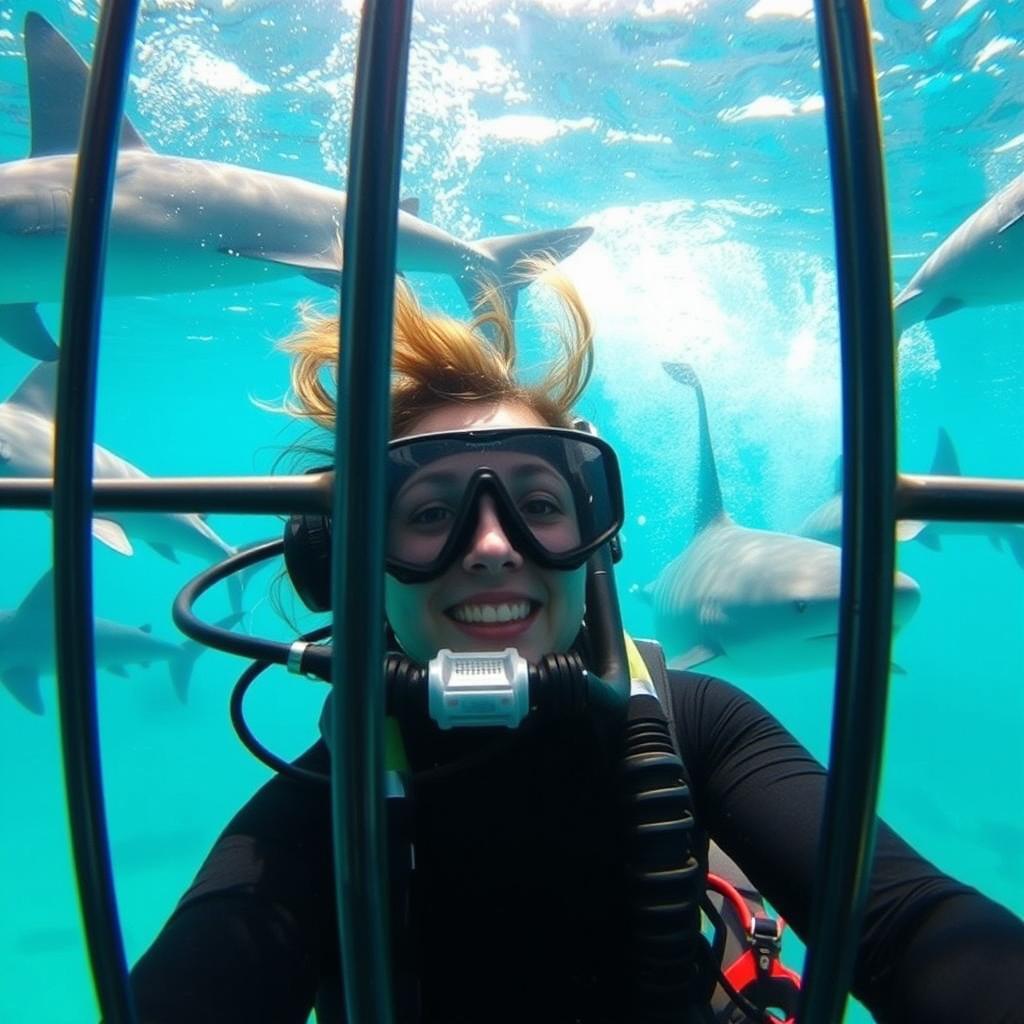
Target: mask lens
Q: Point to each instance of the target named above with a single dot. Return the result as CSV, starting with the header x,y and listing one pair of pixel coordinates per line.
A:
x,y
556,488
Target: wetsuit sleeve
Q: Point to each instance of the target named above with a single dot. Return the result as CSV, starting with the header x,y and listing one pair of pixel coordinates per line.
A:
x,y
251,938
931,949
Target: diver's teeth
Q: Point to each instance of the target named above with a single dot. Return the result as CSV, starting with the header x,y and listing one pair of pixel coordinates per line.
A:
x,y
488,613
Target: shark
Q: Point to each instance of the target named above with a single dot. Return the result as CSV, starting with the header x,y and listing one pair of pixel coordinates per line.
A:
x,y
179,224
980,264
762,602
27,649
26,451
826,522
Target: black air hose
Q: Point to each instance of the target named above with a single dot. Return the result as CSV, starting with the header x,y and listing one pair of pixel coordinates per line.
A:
x,y
670,970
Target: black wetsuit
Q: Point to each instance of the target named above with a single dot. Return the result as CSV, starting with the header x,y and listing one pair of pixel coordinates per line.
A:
x,y
511,874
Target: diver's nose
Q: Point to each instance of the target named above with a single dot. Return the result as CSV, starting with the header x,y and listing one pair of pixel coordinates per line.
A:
x,y
489,548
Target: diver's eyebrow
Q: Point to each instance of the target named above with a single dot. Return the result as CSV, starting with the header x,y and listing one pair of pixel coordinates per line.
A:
x,y
538,469
442,477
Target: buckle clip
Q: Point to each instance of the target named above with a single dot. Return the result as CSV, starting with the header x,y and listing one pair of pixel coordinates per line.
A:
x,y
765,938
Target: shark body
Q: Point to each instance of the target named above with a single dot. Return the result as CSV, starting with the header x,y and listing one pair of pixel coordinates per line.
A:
x,y
980,264
26,451
179,224
766,603
27,649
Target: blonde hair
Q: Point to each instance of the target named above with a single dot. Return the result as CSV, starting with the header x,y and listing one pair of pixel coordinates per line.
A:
x,y
438,360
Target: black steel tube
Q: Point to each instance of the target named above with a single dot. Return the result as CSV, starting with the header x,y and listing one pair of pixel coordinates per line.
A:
x,y
357,576
869,480
72,506
271,495
960,498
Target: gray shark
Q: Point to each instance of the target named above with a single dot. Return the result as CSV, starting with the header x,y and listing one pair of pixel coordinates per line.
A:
x,y
26,451
179,224
980,264
826,522
766,603
27,648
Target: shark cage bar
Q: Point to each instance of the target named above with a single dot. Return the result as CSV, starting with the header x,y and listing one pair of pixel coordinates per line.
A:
x,y
357,555
72,505
875,495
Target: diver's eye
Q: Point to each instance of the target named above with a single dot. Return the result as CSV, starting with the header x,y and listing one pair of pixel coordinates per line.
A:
x,y
801,606
540,507
432,515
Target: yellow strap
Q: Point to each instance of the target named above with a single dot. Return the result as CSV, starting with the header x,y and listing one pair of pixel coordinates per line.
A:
x,y
394,749
637,665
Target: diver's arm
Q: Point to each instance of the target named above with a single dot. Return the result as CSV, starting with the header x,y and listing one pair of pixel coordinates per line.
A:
x,y
931,949
252,937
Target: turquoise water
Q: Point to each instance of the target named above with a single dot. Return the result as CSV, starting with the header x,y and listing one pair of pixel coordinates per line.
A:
x,y
691,137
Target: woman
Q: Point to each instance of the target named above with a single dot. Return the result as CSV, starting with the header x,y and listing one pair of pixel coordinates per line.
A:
x,y
514,860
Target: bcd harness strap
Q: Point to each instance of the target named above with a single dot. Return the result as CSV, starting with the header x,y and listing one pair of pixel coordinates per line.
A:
x,y
752,939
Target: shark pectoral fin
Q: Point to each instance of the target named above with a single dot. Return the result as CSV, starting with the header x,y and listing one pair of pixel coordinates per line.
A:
x,y
696,655
23,685
324,268
896,669
930,539
905,296
908,529
410,205
111,534
948,305
21,327
1015,219
117,670
164,551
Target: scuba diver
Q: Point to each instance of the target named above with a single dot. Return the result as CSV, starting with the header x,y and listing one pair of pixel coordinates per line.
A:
x,y
523,896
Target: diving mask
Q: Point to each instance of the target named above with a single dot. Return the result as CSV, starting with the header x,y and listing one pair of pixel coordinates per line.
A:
x,y
557,494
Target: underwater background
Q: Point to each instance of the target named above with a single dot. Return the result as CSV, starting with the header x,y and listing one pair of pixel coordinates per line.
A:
x,y
690,135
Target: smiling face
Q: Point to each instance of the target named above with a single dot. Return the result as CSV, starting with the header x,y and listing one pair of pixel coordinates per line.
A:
x,y
492,596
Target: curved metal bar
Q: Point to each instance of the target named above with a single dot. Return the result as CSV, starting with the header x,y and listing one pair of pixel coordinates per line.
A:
x,y
72,511
869,446
357,577
270,495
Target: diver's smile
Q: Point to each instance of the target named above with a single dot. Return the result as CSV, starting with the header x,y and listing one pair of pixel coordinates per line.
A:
x,y
494,615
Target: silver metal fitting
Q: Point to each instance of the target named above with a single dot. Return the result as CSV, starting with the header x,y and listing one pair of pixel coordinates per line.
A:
x,y
478,688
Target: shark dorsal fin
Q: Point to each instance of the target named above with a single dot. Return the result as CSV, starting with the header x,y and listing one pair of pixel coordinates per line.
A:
x,y
709,492
38,603
946,461
56,87
38,391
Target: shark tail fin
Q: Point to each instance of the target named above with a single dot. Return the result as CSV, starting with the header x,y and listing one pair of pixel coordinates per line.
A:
x,y
182,665
682,373
22,683
1016,542
512,261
